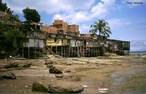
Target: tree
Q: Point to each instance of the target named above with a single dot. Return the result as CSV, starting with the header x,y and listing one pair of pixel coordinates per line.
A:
x,y
101,27
10,17
12,36
31,15
4,7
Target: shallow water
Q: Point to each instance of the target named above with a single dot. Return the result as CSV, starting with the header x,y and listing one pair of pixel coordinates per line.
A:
x,y
138,59
122,79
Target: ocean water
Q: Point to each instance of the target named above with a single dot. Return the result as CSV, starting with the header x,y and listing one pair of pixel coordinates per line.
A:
x,y
137,52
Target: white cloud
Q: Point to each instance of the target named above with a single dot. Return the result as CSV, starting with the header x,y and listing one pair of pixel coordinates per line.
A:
x,y
72,11
138,45
102,9
99,10
128,23
73,17
50,6
116,22
84,28
75,10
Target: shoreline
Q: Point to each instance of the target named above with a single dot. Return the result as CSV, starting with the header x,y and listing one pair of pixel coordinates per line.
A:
x,y
94,72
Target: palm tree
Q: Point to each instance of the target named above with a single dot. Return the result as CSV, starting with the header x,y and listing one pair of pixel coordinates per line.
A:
x,y
102,27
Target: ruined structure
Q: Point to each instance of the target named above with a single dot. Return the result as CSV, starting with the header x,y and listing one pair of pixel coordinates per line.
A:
x,y
65,40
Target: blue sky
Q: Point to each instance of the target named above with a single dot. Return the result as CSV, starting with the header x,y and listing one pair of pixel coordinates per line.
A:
x,y
126,19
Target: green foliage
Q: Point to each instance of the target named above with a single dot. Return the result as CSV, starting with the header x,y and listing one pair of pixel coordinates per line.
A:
x,y
31,15
4,28
4,7
13,36
10,17
14,18
101,27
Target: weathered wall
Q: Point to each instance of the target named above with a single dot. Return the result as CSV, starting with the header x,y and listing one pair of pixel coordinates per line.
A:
x,y
34,43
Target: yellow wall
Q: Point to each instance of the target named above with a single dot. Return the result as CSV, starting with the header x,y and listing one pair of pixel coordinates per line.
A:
x,y
57,42
51,42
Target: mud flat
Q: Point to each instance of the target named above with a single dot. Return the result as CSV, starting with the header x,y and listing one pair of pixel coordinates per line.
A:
x,y
113,74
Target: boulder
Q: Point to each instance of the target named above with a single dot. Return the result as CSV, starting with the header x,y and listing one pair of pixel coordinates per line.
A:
x,y
59,75
49,65
8,75
67,70
68,64
48,62
1,78
55,70
64,87
38,87
50,56
24,65
11,65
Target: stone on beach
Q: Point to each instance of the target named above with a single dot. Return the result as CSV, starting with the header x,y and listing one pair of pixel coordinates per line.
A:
x,y
38,87
55,70
8,75
64,87
11,65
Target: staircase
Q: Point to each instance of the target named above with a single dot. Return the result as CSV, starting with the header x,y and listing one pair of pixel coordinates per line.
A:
x,y
50,51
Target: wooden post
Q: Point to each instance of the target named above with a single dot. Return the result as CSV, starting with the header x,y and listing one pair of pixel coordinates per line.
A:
x,y
69,50
22,51
83,48
56,49
28,52
35,52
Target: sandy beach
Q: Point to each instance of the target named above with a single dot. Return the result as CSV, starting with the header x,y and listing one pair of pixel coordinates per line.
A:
x,y
115,74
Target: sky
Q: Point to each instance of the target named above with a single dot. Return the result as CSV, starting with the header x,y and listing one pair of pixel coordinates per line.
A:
x,y
126,18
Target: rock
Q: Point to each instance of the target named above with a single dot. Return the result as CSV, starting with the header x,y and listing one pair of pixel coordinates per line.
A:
x,y
55,70
11,65
68,64
27,65
68,71
1,78
38,87
49,65
8,75
59,75
64,87
58,56
75,77
50,56
48,62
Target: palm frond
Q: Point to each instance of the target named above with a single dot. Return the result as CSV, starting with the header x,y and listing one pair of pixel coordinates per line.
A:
x,y
102,27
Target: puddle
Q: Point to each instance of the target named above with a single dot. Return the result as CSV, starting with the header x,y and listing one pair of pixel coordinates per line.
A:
x,y
120,78
115,75
138,59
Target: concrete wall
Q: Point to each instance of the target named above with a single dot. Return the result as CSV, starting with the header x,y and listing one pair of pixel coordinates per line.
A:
x,y
34,43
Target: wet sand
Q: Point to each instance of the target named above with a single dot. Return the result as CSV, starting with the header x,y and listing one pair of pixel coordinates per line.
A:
x,y
117,74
